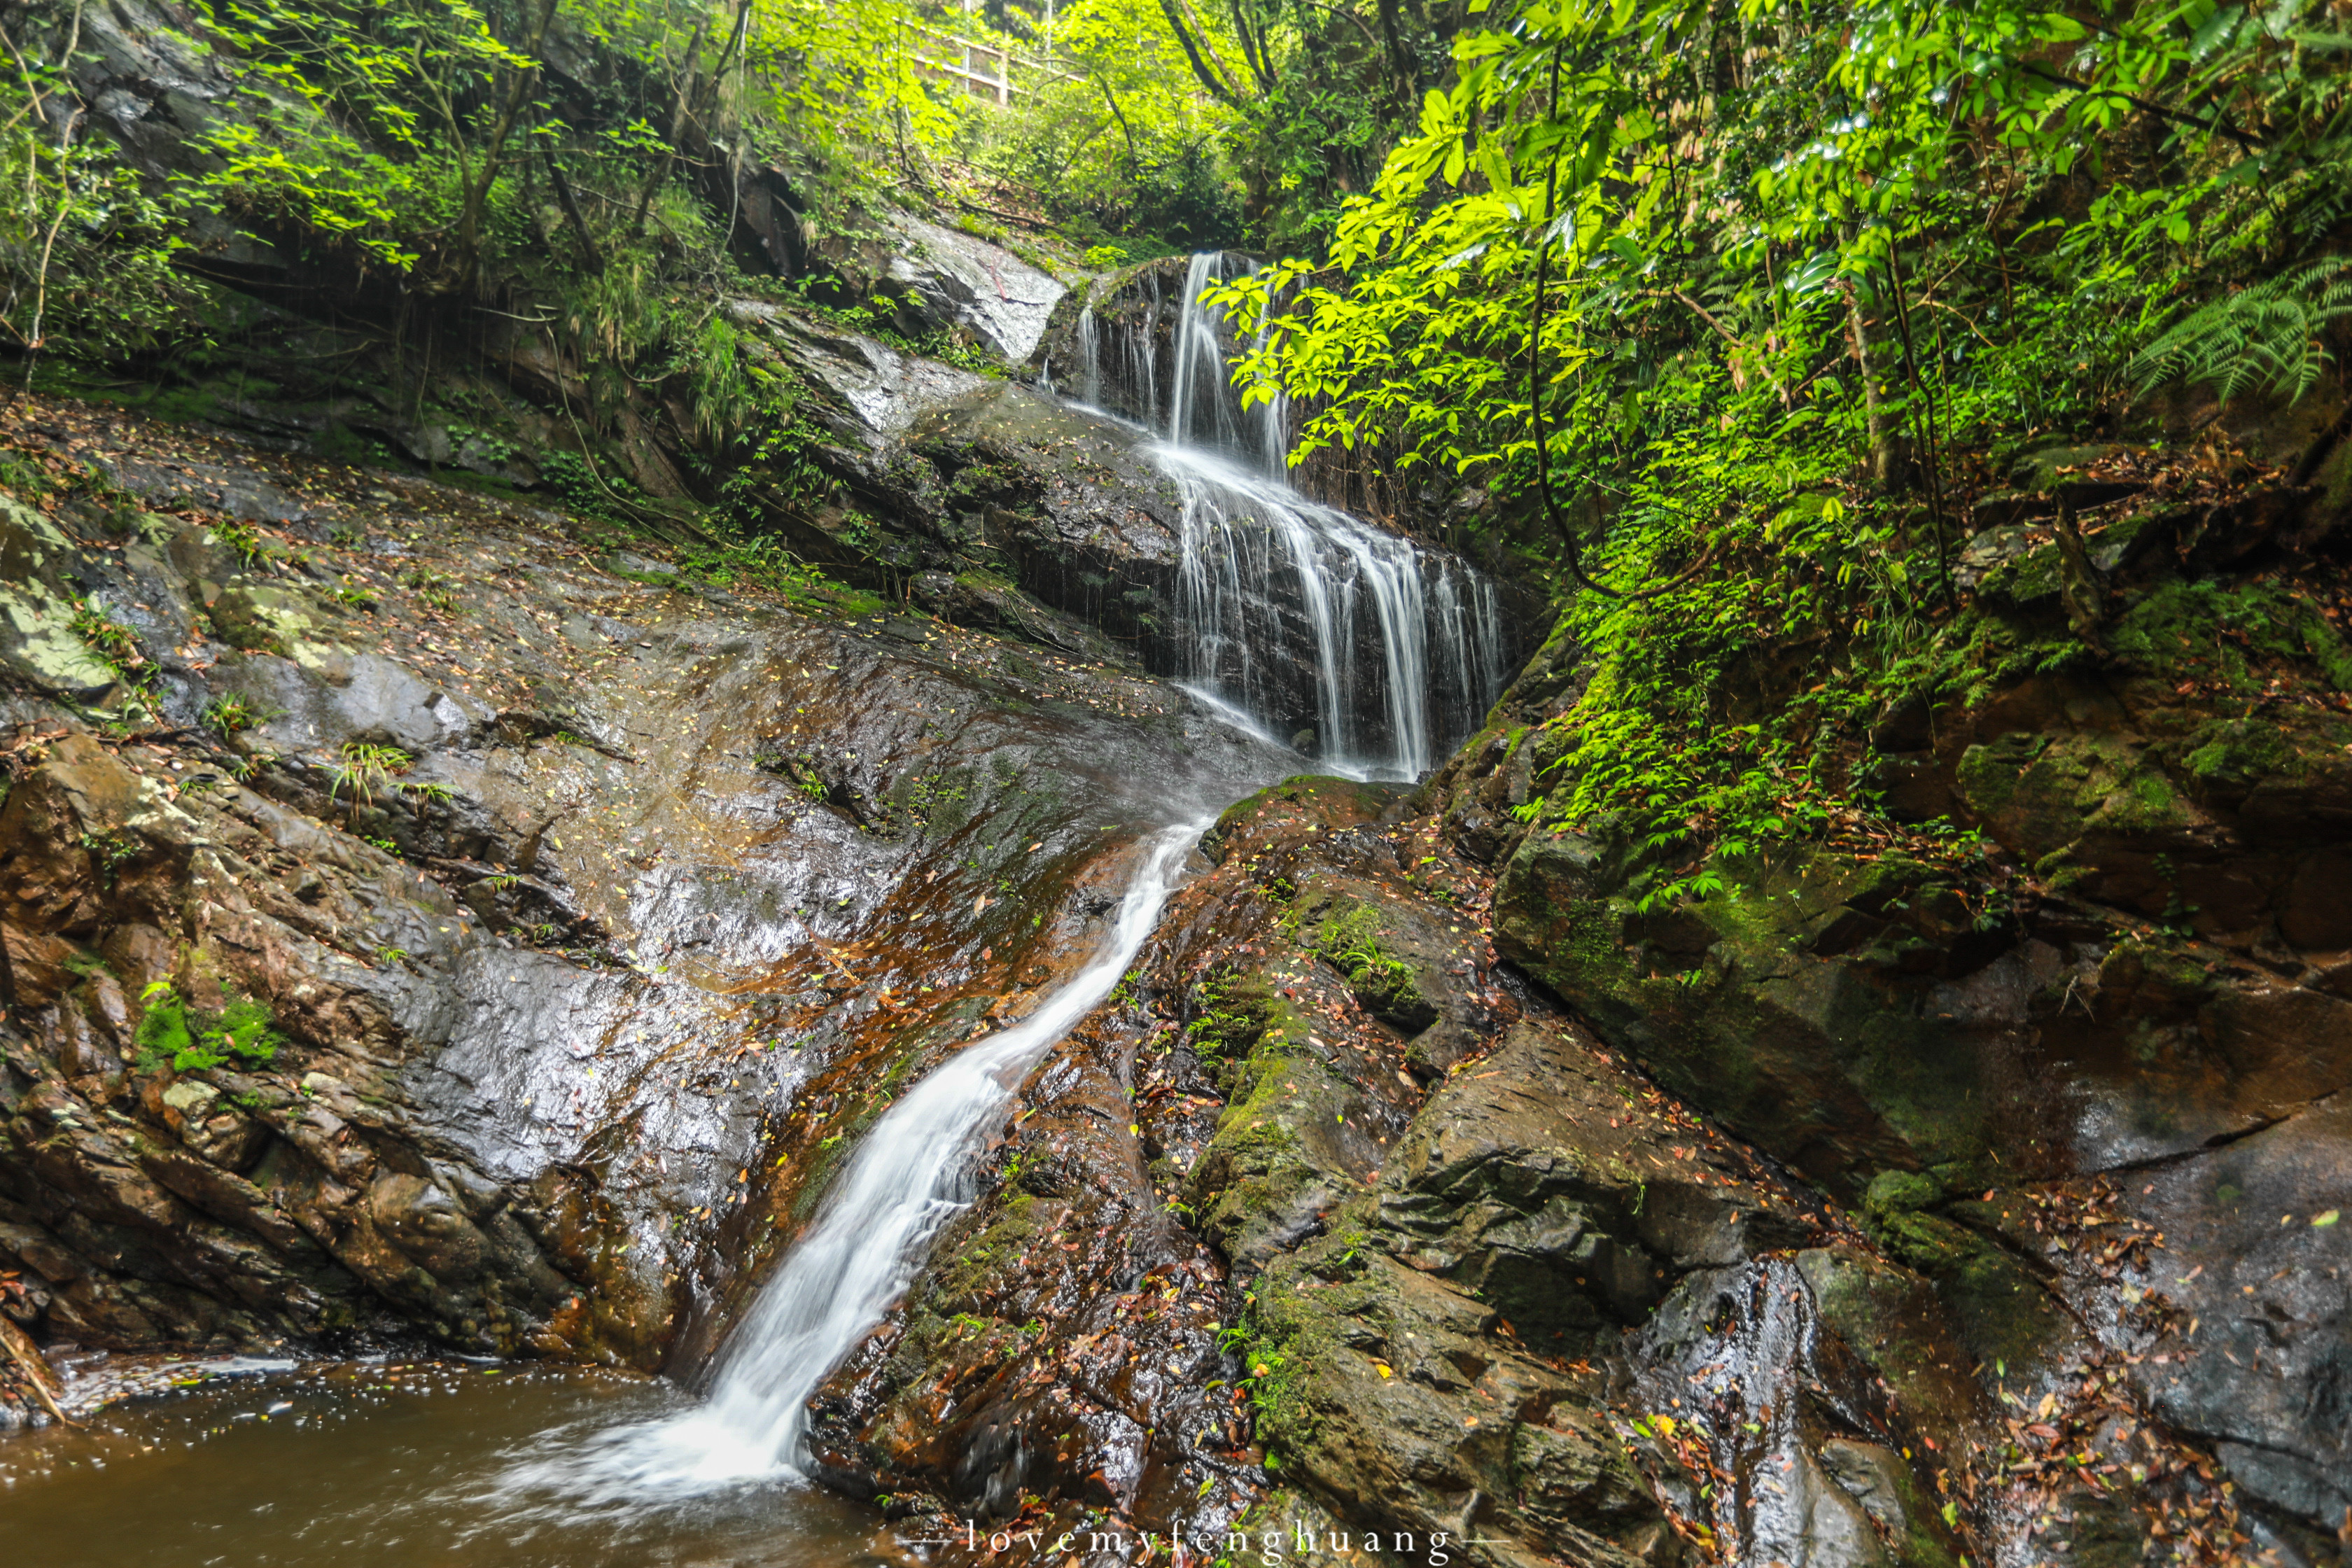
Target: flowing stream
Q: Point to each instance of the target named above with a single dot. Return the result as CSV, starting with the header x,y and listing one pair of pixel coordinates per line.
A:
x,y
914,1169
1307,627
911,1174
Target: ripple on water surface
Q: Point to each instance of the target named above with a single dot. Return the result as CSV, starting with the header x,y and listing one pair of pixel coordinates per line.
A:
x,y
392,1463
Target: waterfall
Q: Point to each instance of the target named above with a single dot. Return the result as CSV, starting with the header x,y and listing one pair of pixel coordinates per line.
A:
x,y
1297,614
1089,360
911,1174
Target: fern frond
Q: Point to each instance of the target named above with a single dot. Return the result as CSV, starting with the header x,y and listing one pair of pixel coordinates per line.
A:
x,y
2266,337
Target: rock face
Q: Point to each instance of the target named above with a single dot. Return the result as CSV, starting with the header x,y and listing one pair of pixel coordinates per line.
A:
x,y
1471,1265
465,910
949,278
2060,1097
1934,1237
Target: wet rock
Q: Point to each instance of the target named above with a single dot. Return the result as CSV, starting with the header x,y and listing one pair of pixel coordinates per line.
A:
x,y
1396,1398
1064,1345
951,279
2266,1373
877,393
37,641
545,948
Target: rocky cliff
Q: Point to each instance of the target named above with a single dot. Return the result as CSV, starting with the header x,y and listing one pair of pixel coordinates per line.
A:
x,y
418,921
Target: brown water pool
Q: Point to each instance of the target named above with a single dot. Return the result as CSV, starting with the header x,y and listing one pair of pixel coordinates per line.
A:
x,y
394,1464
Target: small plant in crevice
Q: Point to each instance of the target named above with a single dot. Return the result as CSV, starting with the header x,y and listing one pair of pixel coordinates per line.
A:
x,y
111,852
243,541
1351,942
366,770
116,645
172,1033
436,590
229,714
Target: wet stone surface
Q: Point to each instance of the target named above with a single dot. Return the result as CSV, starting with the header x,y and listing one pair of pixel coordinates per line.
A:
x,y
559,876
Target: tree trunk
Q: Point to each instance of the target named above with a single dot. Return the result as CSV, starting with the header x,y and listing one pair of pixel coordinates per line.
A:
x,y
1874,408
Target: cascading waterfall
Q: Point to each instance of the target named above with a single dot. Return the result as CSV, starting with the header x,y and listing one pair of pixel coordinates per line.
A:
x,y
1090,359
1289,603
911,1174
1300,615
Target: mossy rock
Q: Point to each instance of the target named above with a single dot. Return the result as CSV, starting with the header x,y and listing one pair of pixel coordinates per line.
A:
x,y
1286,1150
1365,1389
2031,581
1318,800
37,641
2039,794
1350,937
1787,1004
2233,634
263,619
2006,1318
1888,1316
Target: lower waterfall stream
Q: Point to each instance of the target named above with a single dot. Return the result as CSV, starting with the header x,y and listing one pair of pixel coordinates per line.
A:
x,y
909,1174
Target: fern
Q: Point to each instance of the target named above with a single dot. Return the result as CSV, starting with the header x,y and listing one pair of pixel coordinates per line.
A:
x,y
2265,337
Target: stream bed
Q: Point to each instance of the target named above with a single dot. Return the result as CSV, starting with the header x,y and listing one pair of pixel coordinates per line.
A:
x,y
392,1463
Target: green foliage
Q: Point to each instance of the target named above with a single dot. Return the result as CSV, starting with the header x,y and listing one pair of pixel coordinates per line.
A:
x,y
228,714
86,248
1351,941
111,852
1226,1018
366,770
2267,337
582,489
116,645
1711,301
171,1034
164,1036
434,590
241,539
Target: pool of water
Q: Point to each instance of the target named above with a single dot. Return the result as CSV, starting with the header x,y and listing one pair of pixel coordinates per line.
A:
x,y
387,1463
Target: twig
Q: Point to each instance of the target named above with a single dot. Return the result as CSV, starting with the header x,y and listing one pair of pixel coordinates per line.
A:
x,y
2248,140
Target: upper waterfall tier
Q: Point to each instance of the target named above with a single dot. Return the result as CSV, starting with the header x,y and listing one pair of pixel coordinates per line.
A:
x,y
1151,352
1375,652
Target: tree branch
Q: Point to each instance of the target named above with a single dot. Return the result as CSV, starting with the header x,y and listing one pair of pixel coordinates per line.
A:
x,y
2250,141
1209,78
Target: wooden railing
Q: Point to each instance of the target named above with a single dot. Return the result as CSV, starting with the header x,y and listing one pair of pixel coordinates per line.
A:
x,y
983,70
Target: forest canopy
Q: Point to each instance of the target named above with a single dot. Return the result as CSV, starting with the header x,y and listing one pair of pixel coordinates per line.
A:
x,y
1738,303
1724,306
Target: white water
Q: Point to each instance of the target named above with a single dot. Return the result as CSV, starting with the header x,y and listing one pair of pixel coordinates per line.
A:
x,y
1239,719
1379,615
1390,653
913,1171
